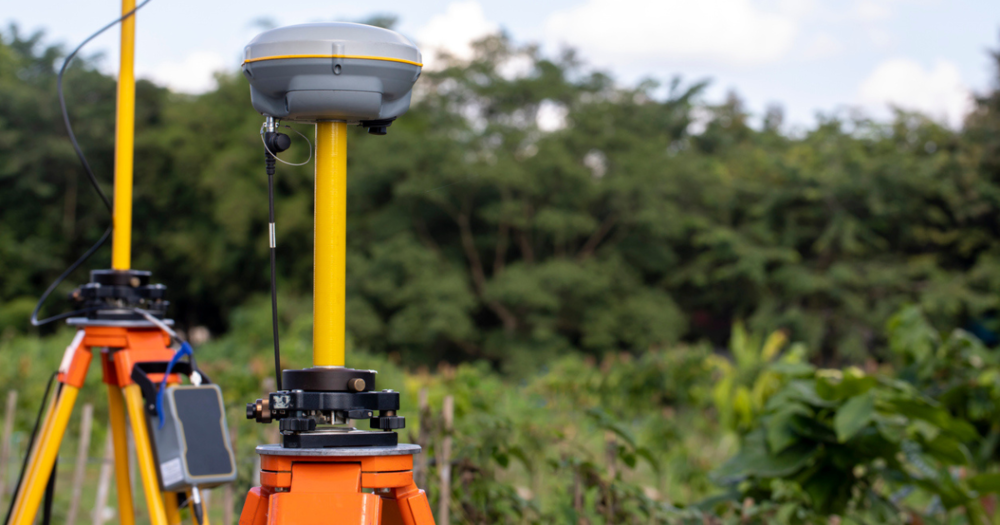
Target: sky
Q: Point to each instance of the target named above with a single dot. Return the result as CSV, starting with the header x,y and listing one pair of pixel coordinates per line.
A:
x,y
809,56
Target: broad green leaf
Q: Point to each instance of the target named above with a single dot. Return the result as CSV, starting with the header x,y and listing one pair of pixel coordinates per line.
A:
x,y
754,459
780,431
835,385
985,483
854,415
891,426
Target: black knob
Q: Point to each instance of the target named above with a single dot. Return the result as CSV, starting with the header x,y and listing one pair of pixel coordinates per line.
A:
x,y
277,142
388,422
298,424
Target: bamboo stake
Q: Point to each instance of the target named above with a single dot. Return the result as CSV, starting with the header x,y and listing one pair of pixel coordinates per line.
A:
x,y
444,462
423,439
104,481
8,428
80,470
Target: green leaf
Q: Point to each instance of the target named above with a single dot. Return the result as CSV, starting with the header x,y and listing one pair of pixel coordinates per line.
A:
x,y
755,460
985,483
856,414
835,385
780,431
800,390
892,426
650,458
947,450
921,409
792,369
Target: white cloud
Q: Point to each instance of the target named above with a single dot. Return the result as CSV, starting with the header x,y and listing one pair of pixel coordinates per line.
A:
x,y
453,31
653,32
194,74
822,45
871,10
938,92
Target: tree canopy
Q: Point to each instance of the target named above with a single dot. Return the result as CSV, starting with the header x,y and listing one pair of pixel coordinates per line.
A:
x,y
643,216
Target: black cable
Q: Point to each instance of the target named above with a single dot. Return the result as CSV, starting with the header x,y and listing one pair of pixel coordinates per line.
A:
x,y
87,169
274,286
83,258
50,494
65,113
31,444
274,142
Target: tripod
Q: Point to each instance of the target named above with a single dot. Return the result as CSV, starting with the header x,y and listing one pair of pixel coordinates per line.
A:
x,y
122,346
322,468
125,327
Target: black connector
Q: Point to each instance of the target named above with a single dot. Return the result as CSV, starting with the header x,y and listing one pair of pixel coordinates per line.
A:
x,y
378,127
274,143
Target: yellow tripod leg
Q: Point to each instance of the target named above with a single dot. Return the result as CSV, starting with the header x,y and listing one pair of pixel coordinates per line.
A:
x,y
330,244
119,435
170,505
43,430
144,455
40,467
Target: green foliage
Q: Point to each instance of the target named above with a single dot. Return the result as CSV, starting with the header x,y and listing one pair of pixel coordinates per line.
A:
x,y
474,234
744,384
870,447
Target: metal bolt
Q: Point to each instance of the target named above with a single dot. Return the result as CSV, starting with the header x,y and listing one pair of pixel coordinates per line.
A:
x,y
135,282
356,385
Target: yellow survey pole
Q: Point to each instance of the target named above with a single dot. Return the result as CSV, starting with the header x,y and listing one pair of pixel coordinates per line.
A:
x,y
40,466
330,244
119,437
121,240
144,455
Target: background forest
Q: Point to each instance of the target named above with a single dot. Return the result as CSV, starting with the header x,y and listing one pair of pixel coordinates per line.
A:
x,y
652,313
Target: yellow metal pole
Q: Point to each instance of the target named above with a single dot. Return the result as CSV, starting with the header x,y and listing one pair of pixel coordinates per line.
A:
x,y
33,456
119,435
330,244
170,506
121,241
144,455
41,466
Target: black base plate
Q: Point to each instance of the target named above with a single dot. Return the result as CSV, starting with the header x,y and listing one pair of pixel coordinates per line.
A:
x,y
339,439
326,379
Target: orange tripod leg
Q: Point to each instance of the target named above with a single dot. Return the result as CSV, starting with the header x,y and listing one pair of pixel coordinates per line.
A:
x,y
412,505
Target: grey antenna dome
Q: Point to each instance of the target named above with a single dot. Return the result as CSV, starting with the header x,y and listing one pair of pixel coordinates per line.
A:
x,y
332,71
